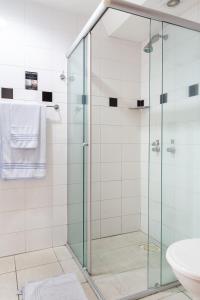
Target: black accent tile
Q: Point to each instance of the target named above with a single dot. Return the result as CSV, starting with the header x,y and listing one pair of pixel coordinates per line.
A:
x,y
163,98
140,103
6,93
113,102
47,96
193,90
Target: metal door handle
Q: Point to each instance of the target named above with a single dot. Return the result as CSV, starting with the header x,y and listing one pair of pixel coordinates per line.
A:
x,y
171,149
85,144
156,149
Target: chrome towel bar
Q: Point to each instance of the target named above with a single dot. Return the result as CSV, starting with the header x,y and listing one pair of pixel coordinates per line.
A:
x,y
55,106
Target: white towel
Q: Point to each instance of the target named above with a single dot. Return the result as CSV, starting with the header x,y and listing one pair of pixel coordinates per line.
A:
x,y
21,163
63,287
25,120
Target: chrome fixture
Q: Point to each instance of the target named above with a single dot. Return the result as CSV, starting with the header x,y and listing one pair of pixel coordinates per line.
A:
x,y
62,76
173,3
85,144
156,146
172,149
71,78
55,106
155,38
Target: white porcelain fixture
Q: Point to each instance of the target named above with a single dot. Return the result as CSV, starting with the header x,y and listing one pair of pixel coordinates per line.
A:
x,y
184,258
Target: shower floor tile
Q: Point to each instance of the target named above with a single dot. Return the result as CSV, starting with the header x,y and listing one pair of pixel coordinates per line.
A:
x,y
119,254
120,267
172,294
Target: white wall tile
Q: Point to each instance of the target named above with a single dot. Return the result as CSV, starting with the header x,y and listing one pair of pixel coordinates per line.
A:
x,y
111,189
12,199
41,36
38,218
111,208
110,153
111,134
131,205
95,210
130,223
12,243
131,170
12,222
59,215
59,194
130,188
95,228
111,171
38,239
59,235
111,226
38,197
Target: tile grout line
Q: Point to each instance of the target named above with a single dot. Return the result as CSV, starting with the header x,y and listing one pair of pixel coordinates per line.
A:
x,y
58,260
17,283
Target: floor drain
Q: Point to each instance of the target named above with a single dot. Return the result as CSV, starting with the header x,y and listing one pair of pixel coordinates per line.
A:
x,y
150,247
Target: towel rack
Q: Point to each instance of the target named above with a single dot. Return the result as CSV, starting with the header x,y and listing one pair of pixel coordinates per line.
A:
x,y
55,106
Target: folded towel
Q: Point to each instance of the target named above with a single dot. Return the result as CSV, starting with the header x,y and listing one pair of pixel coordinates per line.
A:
x,y
63,287
21,163
24,129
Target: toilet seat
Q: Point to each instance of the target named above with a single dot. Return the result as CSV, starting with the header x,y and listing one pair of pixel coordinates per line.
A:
x,y
184,257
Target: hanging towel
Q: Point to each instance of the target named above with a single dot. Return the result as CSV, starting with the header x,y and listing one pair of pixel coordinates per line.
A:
x,y
24,129
21,163
63,287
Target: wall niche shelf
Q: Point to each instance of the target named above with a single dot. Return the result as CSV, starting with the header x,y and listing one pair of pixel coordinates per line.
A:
x,y
139,107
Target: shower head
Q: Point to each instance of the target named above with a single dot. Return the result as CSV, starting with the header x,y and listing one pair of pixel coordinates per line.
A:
x,y
155,38
148,48
173,3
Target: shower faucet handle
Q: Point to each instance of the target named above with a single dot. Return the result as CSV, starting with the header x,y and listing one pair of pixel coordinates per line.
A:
x,y
85,144
172,149
156,146
156,143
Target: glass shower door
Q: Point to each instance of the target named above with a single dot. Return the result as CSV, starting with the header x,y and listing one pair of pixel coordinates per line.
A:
x,y
155,155
181,140
77,143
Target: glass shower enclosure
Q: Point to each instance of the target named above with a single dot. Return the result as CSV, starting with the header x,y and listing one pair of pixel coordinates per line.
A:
x,y
133,146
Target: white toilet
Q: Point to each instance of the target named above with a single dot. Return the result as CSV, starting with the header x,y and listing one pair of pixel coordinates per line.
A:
x,y
184,258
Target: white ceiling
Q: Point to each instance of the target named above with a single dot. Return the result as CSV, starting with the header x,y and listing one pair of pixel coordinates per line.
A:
x,y
85,7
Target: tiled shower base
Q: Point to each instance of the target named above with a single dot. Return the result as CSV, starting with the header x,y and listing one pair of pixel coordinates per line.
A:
x,y
120,266
16,270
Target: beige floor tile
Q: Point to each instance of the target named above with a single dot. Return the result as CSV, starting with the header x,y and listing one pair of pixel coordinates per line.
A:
x,y
179,296
132,282
109,286
119,254
70,266
38,273
8,286
89,292
168,294
33,259
7,264
62,253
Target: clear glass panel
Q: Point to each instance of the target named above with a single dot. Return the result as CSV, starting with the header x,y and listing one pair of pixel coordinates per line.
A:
x,y
86,138
77,124
155,113
119,156
181,139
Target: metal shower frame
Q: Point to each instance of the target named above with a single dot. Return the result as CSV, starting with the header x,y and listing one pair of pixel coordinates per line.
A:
x,y
141,11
